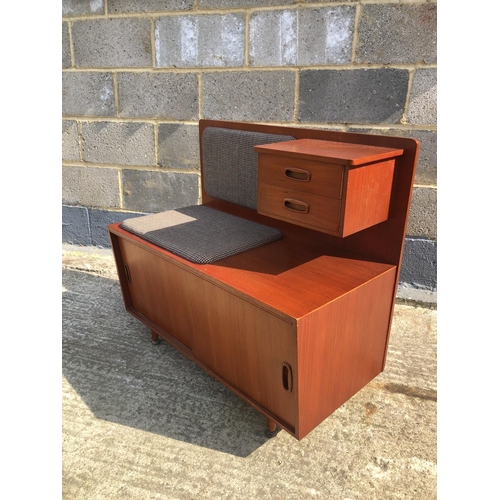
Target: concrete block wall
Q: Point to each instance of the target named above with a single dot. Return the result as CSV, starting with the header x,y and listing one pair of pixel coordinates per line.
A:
x,y
138,75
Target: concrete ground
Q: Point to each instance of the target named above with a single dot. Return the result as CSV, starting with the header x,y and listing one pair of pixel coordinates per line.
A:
x,y
141,421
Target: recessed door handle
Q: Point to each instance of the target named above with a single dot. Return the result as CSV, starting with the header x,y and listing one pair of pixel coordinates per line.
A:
x,y
127,272
287,377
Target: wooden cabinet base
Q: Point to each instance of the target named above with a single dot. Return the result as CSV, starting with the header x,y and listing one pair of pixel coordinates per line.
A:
x,y
295,364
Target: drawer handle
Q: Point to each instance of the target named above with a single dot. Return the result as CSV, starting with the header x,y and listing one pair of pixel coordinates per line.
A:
x,y
298,174
287,377
296,205
127,272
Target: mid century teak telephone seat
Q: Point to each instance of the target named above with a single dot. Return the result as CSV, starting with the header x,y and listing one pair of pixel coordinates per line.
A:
x,y
282,283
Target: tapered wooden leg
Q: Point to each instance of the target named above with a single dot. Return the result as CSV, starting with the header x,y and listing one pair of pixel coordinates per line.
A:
x,y
272,428
154,337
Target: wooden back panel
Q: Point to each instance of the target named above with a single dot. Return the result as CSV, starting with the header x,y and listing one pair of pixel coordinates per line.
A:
x,y
383,242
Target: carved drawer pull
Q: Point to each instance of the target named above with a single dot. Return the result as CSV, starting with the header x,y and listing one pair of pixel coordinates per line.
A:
x,y
296,205
298,174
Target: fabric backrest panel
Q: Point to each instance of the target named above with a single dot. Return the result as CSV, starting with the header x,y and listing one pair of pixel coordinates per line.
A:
x,y
230,163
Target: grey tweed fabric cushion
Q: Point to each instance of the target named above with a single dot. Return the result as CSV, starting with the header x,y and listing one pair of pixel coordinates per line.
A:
x,y
230,163
201,234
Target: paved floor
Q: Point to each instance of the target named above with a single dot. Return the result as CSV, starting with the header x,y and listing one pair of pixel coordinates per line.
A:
x,y
141,421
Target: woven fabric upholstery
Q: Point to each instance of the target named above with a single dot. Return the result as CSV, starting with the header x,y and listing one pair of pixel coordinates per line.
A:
x,y
201,234
230,163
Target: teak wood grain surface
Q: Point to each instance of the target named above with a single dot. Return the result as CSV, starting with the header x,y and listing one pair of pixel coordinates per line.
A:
x,y
342,153
295,327
324,179
291,276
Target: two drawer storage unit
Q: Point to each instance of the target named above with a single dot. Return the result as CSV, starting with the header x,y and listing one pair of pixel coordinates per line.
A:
x,y
338,188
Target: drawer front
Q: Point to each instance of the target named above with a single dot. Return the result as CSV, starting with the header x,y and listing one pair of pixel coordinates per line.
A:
x,y
315,177
305,209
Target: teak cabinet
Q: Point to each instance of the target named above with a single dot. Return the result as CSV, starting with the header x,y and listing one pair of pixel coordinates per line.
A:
x,y
298,326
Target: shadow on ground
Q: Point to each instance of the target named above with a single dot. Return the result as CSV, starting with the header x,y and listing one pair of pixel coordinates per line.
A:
x,y
108,358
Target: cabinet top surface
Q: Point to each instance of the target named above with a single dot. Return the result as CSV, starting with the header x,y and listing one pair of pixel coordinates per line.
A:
x,y
291,276
330,151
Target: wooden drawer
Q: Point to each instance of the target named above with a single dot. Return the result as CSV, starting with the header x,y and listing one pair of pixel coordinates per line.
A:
x,y
337,188
305,209
308,176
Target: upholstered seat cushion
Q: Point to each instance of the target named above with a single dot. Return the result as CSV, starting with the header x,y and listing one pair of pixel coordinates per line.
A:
x,y
201,234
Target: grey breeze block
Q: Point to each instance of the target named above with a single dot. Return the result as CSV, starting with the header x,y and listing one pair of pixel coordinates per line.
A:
x,y
230,163
201,234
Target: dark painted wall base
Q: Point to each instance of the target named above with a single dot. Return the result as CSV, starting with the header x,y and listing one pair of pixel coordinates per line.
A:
x,y
88,227
419,268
